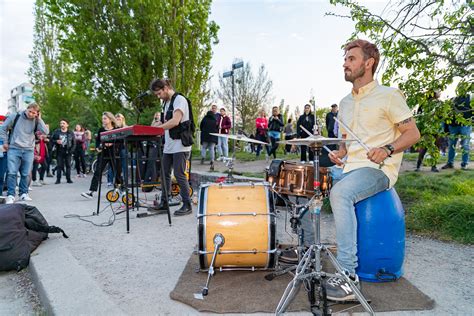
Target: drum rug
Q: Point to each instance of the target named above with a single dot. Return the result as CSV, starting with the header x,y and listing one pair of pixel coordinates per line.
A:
x,y
250,292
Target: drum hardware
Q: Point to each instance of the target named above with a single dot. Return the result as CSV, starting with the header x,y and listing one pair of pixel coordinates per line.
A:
x,y
309,269
219,241
250,242
229,162
237,214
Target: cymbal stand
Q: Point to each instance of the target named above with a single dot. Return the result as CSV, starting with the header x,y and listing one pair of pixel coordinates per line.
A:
x,y
229,162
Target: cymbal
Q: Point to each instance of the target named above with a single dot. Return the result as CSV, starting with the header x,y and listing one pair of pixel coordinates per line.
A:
x,y
315,141
239,137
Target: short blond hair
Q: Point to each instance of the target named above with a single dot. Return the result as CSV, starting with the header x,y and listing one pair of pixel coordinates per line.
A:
x,y
33,105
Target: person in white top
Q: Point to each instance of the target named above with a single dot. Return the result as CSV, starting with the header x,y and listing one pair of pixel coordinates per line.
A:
x,y
176,111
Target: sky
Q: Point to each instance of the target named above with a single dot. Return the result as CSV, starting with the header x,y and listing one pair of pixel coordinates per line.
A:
x,y
299,46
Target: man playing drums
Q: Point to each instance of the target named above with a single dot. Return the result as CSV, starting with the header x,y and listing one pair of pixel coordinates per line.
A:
x,y
380,117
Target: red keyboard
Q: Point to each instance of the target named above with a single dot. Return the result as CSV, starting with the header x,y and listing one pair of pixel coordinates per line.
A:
x,y
130,131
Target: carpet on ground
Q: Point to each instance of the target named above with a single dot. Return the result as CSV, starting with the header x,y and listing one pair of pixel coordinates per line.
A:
x,y
250,292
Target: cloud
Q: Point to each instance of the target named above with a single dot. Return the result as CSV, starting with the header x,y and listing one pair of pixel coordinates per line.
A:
x,y
297,36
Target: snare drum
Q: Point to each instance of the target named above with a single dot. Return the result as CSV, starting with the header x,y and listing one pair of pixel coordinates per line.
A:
x,y
243,214
297,178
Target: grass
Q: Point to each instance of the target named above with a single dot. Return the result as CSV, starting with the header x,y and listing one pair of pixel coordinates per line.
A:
x,y
439,205
246,156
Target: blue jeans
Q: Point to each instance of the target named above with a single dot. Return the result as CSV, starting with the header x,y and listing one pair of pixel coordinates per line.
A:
x,y
205,146
19,160
3,170
222,146
464,132
354,186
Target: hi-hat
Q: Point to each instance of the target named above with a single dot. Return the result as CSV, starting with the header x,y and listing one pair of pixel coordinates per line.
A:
x,y
239,137
315,141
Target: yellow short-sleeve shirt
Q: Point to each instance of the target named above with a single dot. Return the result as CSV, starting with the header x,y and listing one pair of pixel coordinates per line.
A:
x,y
372,114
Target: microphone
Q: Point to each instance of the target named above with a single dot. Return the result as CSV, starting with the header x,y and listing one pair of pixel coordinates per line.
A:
x,y
144,94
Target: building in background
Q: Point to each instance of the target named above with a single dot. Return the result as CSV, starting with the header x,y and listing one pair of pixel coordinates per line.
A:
x,y
20,97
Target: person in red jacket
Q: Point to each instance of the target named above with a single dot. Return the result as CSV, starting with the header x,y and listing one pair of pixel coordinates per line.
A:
x,y
261,123
223,125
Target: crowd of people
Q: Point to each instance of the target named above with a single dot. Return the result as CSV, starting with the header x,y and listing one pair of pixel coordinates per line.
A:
x,y
30,149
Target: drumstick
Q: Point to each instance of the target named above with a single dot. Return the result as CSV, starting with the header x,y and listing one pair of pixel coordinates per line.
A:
x,y
355,137
352,134
330,152
325,147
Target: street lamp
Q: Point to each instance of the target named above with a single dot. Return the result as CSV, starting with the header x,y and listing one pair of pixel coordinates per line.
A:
x,y
227,74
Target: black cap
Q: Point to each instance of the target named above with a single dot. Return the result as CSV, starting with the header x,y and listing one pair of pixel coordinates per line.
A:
x,y
334,105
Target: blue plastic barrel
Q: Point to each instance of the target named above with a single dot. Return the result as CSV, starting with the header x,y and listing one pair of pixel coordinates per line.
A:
x,y
380,237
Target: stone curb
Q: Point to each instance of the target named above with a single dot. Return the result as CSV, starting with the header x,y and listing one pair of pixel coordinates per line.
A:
x,y
64,286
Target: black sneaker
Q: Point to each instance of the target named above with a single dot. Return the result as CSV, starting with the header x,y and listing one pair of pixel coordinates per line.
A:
x,y
57,182
434,169
463,167
184,210
448,166
337,289
87,195
69,181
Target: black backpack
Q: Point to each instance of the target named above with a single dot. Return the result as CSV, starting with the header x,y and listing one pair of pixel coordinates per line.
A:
x,y
185,130
22,229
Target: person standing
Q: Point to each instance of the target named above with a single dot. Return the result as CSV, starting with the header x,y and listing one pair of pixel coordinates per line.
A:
x,y
381,118
429,133
275,125
289,134
79,151
106,155
39,162
18,136
305,120
462,130
261,124
330,121
179,126
224,125
64,140
214,111
208,142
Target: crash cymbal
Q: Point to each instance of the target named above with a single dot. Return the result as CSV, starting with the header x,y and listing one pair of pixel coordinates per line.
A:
x,y
315,141
239,137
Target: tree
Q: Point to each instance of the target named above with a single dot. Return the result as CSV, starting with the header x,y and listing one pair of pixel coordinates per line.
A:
x,y
426,45
252,93
115,48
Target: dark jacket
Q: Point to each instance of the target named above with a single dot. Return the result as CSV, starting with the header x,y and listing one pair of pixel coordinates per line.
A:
x,y
275,123
70,143
330,123
307,121
208,125
462,105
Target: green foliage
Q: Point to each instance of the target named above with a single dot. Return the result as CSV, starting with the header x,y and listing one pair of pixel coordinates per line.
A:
x,y
64,103
439,205
113,49
426,46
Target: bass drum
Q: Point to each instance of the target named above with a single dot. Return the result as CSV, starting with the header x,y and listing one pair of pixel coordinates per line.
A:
x,y
243,214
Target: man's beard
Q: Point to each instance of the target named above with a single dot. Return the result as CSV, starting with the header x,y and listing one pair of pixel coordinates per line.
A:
x,y
355,74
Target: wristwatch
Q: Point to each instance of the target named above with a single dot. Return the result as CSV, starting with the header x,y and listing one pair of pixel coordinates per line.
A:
x,y
390,149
